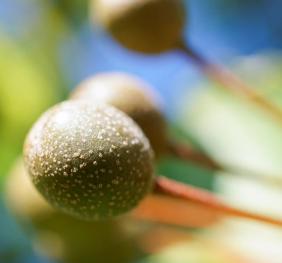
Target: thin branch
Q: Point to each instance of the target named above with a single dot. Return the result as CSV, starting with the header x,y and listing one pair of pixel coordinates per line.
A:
x,y
187,153
230,82
208,200
162,210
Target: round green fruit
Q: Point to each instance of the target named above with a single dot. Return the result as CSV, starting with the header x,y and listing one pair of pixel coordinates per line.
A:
x,y
132,96
148,26
92,162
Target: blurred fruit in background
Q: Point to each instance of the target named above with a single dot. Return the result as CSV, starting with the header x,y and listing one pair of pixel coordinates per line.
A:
x,y
149,26
132,96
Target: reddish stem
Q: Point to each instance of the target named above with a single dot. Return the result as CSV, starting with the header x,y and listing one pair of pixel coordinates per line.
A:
x,y
192,194
161,209
230,82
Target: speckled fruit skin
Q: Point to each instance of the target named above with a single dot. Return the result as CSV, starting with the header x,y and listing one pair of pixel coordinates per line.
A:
x,y
92,162
148,26
132,96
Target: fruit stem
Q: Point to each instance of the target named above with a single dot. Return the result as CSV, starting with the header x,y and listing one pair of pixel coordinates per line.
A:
x,y
229,81
187,153
182,191
161,209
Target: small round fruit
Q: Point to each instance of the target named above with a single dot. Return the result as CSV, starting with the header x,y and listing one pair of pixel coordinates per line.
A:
x,y
92,162
132,96
22,198
148,26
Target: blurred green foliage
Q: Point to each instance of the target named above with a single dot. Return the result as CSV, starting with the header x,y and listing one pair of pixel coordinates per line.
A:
x,y
263,71
192,252
233,130
239,134
75,11
186,172
27,88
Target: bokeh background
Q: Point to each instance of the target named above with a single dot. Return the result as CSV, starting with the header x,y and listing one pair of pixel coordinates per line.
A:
x,y
48,46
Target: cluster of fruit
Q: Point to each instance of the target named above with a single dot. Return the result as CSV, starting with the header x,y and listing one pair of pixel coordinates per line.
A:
x,y
92,157
83,157
88,156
